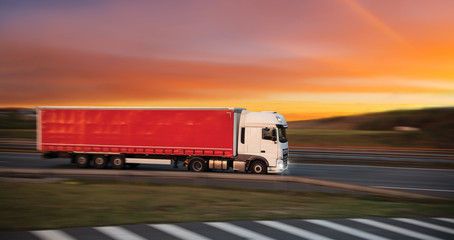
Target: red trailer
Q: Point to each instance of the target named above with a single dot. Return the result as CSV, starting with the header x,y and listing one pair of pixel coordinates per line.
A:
x,y
203,137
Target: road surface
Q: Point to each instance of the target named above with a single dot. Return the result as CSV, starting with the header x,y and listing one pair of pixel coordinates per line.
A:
x,y
426,181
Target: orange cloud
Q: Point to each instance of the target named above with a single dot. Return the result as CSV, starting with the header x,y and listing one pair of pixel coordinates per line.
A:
x,y
306,58
46,75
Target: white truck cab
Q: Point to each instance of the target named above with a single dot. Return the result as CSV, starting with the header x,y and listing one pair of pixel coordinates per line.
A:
x,y
262,142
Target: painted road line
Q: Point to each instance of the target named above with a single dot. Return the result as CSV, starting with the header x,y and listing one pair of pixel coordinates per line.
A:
x,y
426,225
347,230
294,230
450,220
178,232
119,233
239,231
418,189
395,229
52,235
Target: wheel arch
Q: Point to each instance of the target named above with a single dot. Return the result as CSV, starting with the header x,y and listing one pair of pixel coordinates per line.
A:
x,y
249,159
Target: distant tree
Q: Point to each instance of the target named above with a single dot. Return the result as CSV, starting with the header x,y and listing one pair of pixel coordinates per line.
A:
x,y
17,119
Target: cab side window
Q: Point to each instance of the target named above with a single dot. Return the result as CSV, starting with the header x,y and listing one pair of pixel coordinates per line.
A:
x,y
243,133
269,134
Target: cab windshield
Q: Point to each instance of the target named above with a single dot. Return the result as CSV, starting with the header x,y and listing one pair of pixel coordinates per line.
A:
x,y
282,133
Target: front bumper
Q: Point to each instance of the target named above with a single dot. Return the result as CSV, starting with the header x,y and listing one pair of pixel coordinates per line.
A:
x,y
280,168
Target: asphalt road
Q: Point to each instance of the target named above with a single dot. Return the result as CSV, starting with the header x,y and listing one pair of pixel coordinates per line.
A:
x,y
427,181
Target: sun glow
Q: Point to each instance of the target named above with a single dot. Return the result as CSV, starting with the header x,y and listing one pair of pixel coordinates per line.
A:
x,y
306,60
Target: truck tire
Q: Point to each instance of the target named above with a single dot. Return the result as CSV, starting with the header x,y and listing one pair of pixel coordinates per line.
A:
x,y
258,167
117,162
81,160
197,165
99,161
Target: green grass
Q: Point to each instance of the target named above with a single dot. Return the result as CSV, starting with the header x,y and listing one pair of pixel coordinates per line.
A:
x,y
375,129
18,133
26,206
327,132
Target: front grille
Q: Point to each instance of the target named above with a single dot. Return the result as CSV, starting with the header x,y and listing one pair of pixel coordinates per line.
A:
x,y
285,157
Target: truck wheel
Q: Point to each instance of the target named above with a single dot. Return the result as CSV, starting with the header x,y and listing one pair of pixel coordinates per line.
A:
x,y
81,160
99,161
197,165
118,162
258,167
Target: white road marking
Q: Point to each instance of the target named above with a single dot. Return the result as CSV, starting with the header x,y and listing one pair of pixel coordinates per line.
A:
x,y
52,235
119,233
419,189
450,220
178,232
294,230
426,225
348,230
395,229
239,231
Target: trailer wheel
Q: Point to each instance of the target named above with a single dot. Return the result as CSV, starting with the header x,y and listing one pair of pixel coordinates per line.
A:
x,y
81,160
258,167
197,165
117,161
99,161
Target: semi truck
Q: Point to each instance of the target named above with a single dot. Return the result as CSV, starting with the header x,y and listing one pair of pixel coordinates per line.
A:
x,y
204,139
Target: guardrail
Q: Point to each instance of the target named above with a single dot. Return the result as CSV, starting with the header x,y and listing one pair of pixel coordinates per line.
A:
x,y
433,158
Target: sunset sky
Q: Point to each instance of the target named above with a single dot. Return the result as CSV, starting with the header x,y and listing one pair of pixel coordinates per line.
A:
x,y
305,59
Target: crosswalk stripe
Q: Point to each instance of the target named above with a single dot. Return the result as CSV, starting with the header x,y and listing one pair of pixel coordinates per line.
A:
x,y
52,235
427,225
119,233
347,230
178,232
182,233
293,230
399,230
450,220
239,231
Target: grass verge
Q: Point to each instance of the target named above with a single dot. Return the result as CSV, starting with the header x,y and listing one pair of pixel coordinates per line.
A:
x,y
18,133
27,206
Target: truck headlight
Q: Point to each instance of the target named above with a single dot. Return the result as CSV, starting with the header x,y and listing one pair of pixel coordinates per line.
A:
x,y
280,165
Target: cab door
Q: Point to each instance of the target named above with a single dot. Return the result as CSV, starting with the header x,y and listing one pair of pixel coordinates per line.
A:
x,y
268,145
253,140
